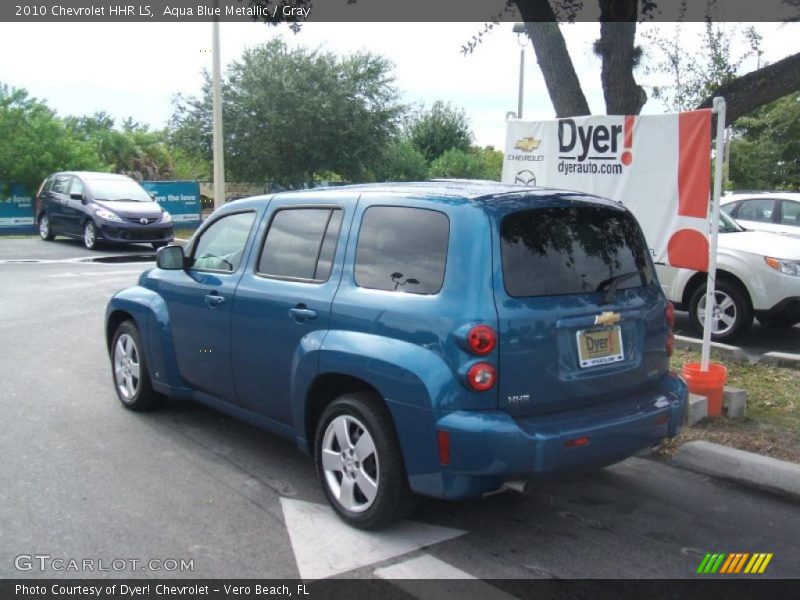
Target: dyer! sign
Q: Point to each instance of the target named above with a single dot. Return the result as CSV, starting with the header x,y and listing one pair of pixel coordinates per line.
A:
x,y
659,167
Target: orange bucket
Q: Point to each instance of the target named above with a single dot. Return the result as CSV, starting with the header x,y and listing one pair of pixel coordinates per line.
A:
x,y
709,383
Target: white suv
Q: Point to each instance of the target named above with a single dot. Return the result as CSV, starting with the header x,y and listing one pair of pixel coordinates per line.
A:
x,y
776,212
758,274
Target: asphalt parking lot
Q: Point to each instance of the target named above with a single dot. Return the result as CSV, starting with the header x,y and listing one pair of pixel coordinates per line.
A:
x,y
85,479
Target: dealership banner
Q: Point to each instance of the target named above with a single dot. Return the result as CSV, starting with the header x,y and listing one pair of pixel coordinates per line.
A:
x,y
180,198
658,166
16,208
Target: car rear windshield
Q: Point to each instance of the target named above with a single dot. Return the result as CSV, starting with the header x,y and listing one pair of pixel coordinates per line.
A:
x,y
572,250
118,189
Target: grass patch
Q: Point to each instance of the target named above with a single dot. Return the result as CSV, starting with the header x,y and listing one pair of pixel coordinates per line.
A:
x,y
772,424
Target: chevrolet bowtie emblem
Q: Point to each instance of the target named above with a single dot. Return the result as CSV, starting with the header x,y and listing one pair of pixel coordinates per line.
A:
x,y
527,144
607,318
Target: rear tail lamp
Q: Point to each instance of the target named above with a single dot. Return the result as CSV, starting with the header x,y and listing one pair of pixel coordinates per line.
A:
x,y
443,441
481,376
670,343
577,442
670,314
481,340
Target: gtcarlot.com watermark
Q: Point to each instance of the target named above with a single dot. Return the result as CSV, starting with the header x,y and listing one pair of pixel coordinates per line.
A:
x,y
57,564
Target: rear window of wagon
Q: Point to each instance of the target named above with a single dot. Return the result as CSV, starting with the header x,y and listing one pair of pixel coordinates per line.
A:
x,y
571,250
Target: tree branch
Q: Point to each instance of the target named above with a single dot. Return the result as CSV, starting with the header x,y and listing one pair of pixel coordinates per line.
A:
x,y
554,60
620,55
757,88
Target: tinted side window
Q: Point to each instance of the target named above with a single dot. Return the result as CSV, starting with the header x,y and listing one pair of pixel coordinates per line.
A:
x,y
221,246
756,210
555,251
301,243
61,184
790,214
76,187
402,249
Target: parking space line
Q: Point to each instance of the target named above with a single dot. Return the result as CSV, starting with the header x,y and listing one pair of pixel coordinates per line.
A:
x,y
415,576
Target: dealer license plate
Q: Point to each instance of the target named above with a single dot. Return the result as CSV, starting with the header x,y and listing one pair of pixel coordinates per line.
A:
x,y
600,346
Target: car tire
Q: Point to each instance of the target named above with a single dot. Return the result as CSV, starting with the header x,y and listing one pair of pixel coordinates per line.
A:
x,y
735,317
90,235
45,232
129,370
376,493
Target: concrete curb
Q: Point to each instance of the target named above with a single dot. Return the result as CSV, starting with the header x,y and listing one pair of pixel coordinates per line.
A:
x,y
745,468
781,359
730,352
786,360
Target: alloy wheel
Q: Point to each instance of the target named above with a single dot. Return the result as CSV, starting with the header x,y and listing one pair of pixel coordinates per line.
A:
x,y
350,463
44,227
127,368
89,235
723,316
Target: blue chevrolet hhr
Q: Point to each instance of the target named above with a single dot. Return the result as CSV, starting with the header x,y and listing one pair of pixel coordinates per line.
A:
x,y
444,338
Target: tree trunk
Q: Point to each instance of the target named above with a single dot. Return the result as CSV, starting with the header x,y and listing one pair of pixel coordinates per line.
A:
x,y
757,88
619,54
554,59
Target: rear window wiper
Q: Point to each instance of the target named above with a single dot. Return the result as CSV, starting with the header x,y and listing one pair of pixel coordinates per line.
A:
x,y
610,285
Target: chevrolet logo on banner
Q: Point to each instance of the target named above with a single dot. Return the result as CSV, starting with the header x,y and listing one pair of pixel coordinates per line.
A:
x,y
735,563
527,144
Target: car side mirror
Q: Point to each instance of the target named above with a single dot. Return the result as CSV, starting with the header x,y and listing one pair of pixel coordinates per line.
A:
x,y
77,196
170,258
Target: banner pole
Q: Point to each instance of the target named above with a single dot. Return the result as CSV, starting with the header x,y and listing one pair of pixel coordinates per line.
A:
x,y
719,110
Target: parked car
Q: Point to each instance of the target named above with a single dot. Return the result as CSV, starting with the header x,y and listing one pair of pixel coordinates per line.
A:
x,y
100,207
776,212
758,274
439,339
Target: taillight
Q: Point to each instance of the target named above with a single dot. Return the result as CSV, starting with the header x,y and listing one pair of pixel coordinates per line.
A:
x,y
443,441
481,340
577,442
670,314
481,376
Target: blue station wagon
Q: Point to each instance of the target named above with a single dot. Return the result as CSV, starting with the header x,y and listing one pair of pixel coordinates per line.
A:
x,y
448,339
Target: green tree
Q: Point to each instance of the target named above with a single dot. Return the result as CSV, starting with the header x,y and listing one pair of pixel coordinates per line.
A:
x,y
441,128
36,142
132,149
401,161
476,163
765,149
696,75
292,113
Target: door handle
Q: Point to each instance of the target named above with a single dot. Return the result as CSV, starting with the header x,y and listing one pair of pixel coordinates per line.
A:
x,y
214,300
302,313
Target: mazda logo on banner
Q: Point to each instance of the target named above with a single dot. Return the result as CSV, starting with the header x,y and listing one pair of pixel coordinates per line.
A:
x,y
525,177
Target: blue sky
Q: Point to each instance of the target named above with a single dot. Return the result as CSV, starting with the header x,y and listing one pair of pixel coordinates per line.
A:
x,y
135,69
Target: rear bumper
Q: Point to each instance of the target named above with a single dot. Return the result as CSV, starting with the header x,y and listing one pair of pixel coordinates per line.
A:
x,y
489,448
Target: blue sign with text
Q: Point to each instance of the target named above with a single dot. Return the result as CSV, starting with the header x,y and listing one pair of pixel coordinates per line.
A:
x,y
16,208
180,198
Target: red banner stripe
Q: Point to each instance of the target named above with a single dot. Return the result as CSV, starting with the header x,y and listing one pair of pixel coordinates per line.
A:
x,y
694,163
